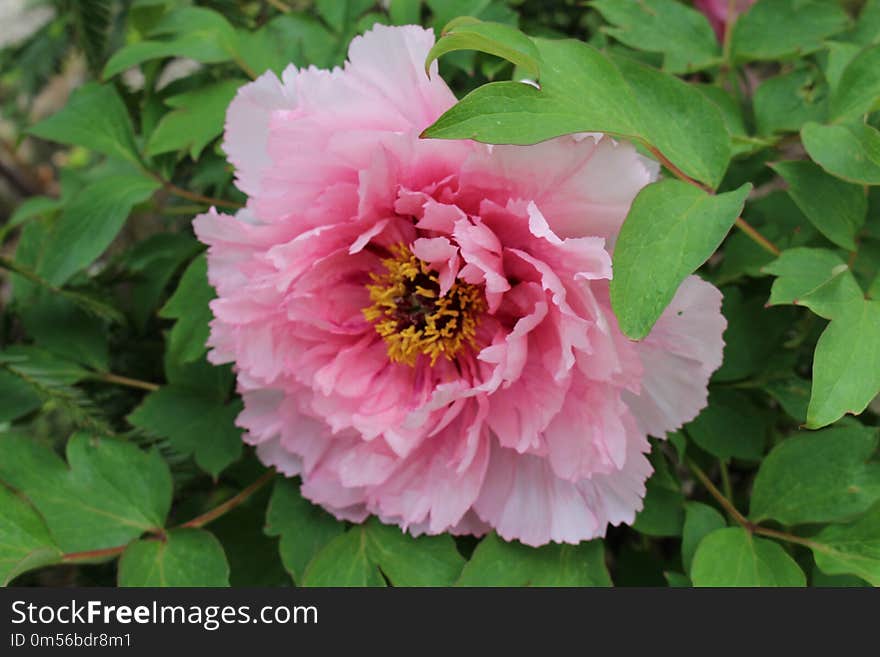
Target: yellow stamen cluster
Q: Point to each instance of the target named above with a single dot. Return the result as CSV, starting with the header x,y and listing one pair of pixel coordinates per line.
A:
x,y
411,316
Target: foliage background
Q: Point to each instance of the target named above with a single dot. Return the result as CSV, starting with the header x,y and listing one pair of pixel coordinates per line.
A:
x,y
119,459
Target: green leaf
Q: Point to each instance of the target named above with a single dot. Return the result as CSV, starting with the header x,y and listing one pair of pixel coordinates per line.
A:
x,y
96,118
662,513
757,34
189,306
731,426
25,543
342,14
858,91
194,423
733,557
408,561
818,477
304,528
785,102
850,151
867,30
582,90
851,549
17,398
671,229
196,120
344,561
92,20
90,222
793,395
754,334
846,365
373,549
196,33
61,327
835,207
504,41
682,34
700,520
818,279
405,12
500,563
152,263
111,492
840,54
183,557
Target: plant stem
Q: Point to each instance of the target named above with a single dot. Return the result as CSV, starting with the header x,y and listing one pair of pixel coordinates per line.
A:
x,y
231,503
107,377
725,479
93,555
756,237
198,198
734,513
280,6
726,504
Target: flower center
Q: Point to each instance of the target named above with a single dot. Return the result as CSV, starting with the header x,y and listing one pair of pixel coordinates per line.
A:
x,y
411,316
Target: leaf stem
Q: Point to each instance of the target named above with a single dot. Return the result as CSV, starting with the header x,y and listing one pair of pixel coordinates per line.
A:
x,y
107,377
726,504
198,198
734,513
231,503
756,237
280,6
93,555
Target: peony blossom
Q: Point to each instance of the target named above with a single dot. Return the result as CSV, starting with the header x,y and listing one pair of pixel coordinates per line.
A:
x,y
717,12
421,329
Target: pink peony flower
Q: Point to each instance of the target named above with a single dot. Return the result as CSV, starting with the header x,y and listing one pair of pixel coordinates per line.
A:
x,y
716,11
421,329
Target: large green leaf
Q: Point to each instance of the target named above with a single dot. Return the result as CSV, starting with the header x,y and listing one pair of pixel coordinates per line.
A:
x,y
582,90
182,557
189,306
467,33
17,397
408,561
818,477
816,278
193,32
25,543
700,520
850,151
90,222
851,549
672,228
733,557
681,33
846,365
197,118
109,493
304,528
785,102
835,207
858,91
344,561
774,29
94,117
361,557
500,563
194,423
